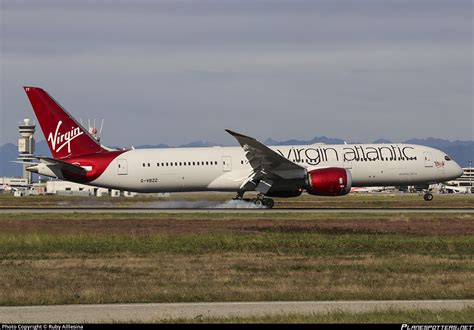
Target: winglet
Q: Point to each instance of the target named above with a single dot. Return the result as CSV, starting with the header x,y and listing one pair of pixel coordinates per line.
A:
x,y
235,134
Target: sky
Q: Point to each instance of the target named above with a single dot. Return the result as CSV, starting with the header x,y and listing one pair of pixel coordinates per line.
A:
x,y
184,70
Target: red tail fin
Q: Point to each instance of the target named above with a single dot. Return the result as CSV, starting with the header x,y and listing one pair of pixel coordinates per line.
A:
x,y
65,136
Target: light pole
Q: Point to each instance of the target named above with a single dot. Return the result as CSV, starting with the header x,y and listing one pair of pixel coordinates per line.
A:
x,y
470,176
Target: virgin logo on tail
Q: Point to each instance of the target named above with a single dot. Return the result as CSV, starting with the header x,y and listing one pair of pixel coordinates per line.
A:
x,y
59,140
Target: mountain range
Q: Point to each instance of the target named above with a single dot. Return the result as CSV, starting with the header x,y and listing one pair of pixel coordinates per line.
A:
x,y
461,151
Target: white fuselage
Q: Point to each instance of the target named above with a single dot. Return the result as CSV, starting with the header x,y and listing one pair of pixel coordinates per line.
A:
x,y
227,168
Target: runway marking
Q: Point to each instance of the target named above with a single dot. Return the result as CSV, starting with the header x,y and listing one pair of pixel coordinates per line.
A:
x,y
156,312
219,210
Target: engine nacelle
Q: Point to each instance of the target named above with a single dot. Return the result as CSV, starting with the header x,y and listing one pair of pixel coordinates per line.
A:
x,y
331,181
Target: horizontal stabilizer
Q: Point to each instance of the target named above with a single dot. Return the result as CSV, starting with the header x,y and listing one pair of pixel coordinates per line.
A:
x,y
55,168
60,164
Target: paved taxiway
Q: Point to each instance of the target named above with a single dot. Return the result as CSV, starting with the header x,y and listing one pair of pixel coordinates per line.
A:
x,y
156,312
234,210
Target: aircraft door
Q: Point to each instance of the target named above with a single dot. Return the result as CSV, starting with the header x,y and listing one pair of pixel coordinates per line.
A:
x,y
428,159
122,167
226,163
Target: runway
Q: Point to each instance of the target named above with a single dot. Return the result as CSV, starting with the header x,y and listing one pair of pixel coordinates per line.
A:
x,y
233,210
157,312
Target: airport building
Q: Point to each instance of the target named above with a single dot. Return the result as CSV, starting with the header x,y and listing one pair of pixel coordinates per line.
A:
x,y
13,182
26,146
20,187
66,188
463,184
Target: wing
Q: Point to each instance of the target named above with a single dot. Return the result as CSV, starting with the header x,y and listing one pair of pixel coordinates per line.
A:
x,y
268,166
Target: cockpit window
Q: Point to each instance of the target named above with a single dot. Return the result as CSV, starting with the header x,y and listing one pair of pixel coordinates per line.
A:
x,y
447,158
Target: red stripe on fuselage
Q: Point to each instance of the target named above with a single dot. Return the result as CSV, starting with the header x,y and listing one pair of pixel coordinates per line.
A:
x,y
98,162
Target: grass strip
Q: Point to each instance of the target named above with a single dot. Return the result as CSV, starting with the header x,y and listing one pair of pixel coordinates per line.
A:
x,y
308,244
464,316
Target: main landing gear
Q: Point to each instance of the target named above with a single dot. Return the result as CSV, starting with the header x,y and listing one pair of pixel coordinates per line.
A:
x,y
428,196
260,201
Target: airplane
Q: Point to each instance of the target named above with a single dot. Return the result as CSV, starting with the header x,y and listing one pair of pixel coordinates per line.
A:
x,y
271,171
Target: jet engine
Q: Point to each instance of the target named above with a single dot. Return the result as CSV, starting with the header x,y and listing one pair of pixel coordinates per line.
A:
x,y
331,181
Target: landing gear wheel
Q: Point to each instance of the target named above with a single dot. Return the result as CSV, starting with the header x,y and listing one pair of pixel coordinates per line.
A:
x,y
428,197
268,202
264,202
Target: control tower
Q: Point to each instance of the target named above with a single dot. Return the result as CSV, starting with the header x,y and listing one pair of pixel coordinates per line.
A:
x,y
26,146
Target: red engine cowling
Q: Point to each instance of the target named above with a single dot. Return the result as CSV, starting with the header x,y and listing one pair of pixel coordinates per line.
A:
x,y
331,181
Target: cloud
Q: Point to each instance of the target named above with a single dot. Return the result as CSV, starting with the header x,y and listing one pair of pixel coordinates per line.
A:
x,y
176,71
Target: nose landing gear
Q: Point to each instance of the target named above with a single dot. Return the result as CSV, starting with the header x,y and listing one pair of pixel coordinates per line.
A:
x,y
428,196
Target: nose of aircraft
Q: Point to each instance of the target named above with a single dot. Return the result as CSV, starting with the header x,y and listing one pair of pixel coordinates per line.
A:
x,y
457,170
